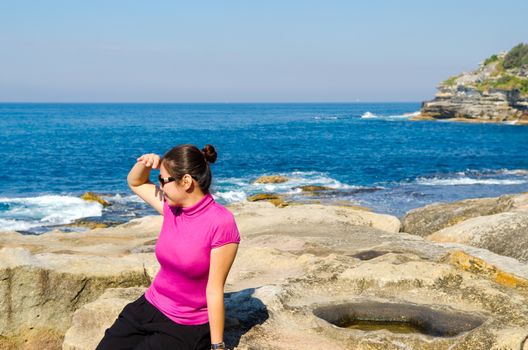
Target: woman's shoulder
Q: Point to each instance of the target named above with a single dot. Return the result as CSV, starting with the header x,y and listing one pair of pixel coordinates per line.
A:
x,y
225,229
221,213
221,209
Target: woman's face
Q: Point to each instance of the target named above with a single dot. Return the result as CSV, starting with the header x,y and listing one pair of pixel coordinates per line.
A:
x,y
175,192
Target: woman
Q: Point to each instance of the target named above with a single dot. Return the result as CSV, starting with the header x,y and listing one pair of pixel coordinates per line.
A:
x,y
184,306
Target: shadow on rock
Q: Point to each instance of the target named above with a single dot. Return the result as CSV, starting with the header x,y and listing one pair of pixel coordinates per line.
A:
x,y
243,312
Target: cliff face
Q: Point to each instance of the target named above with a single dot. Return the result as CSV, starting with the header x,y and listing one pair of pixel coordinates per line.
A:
x,y
495,92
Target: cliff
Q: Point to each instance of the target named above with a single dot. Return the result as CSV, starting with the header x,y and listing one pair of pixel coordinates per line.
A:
x,y
497,91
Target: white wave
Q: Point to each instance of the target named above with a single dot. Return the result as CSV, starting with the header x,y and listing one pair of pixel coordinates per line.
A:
x,y
230,196
301,178
369,115
466,181
29,212
16,225
413,114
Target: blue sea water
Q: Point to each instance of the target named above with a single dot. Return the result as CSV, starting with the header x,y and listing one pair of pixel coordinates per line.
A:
x,y
370,153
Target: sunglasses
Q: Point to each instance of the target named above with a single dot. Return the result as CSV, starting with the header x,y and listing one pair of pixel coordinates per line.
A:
x,y
165,180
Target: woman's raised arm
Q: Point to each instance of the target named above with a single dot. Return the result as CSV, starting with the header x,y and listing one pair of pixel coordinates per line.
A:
x,y
139,183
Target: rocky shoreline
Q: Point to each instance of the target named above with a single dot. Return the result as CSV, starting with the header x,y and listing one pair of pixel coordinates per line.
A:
x,y
307,276
496,92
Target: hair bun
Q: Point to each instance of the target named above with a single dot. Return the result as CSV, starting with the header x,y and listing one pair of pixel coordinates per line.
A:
x,y
209,153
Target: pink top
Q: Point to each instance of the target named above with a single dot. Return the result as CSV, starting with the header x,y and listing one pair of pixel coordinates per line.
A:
x,y
183,250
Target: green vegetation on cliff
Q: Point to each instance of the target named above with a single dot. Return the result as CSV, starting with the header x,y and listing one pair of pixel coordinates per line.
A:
x,y
500,71
491,59
450,81
505,82
517,57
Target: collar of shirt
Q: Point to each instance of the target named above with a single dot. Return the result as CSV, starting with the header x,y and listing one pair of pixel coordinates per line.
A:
x,y
199,206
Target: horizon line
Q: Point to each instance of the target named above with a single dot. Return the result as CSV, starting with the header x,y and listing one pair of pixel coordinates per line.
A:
x,y
202,102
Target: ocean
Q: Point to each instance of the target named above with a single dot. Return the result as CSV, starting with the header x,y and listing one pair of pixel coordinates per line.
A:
x,y
369,153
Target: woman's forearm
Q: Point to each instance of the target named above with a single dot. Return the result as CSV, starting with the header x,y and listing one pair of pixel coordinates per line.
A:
x,y
215,307
138,175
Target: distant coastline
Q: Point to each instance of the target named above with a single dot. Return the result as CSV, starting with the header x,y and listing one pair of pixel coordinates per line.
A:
x,y
496,92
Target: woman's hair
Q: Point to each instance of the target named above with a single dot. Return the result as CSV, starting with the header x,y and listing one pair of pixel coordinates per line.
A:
x,y
188,159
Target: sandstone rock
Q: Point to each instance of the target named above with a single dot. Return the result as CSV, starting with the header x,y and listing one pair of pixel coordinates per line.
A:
x,y
45,289
502,274
350,205
504,233
409,270
415,274
431,218
33,339
403,278
291,262
260,216
469,104
92,319
44,279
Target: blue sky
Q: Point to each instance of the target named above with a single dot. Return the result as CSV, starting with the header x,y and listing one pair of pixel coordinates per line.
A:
x,y
246,51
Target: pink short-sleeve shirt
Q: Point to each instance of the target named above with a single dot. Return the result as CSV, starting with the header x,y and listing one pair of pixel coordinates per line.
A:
x,y
183,250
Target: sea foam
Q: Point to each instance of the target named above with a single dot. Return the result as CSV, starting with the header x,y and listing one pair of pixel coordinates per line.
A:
x,y
48,210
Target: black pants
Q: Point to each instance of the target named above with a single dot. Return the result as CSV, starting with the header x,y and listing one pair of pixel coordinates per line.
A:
x,y
141,326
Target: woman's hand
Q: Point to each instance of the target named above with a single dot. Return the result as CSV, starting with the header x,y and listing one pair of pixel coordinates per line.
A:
x,y
150,160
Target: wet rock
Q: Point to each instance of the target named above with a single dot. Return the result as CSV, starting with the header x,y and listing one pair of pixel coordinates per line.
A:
x,y
92,224
271,179
263,197
275,199
90,196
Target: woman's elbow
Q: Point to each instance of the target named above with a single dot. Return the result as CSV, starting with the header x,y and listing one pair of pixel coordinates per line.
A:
x,y
214,291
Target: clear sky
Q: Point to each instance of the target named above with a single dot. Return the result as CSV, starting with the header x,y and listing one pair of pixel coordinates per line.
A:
x,y
246,51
